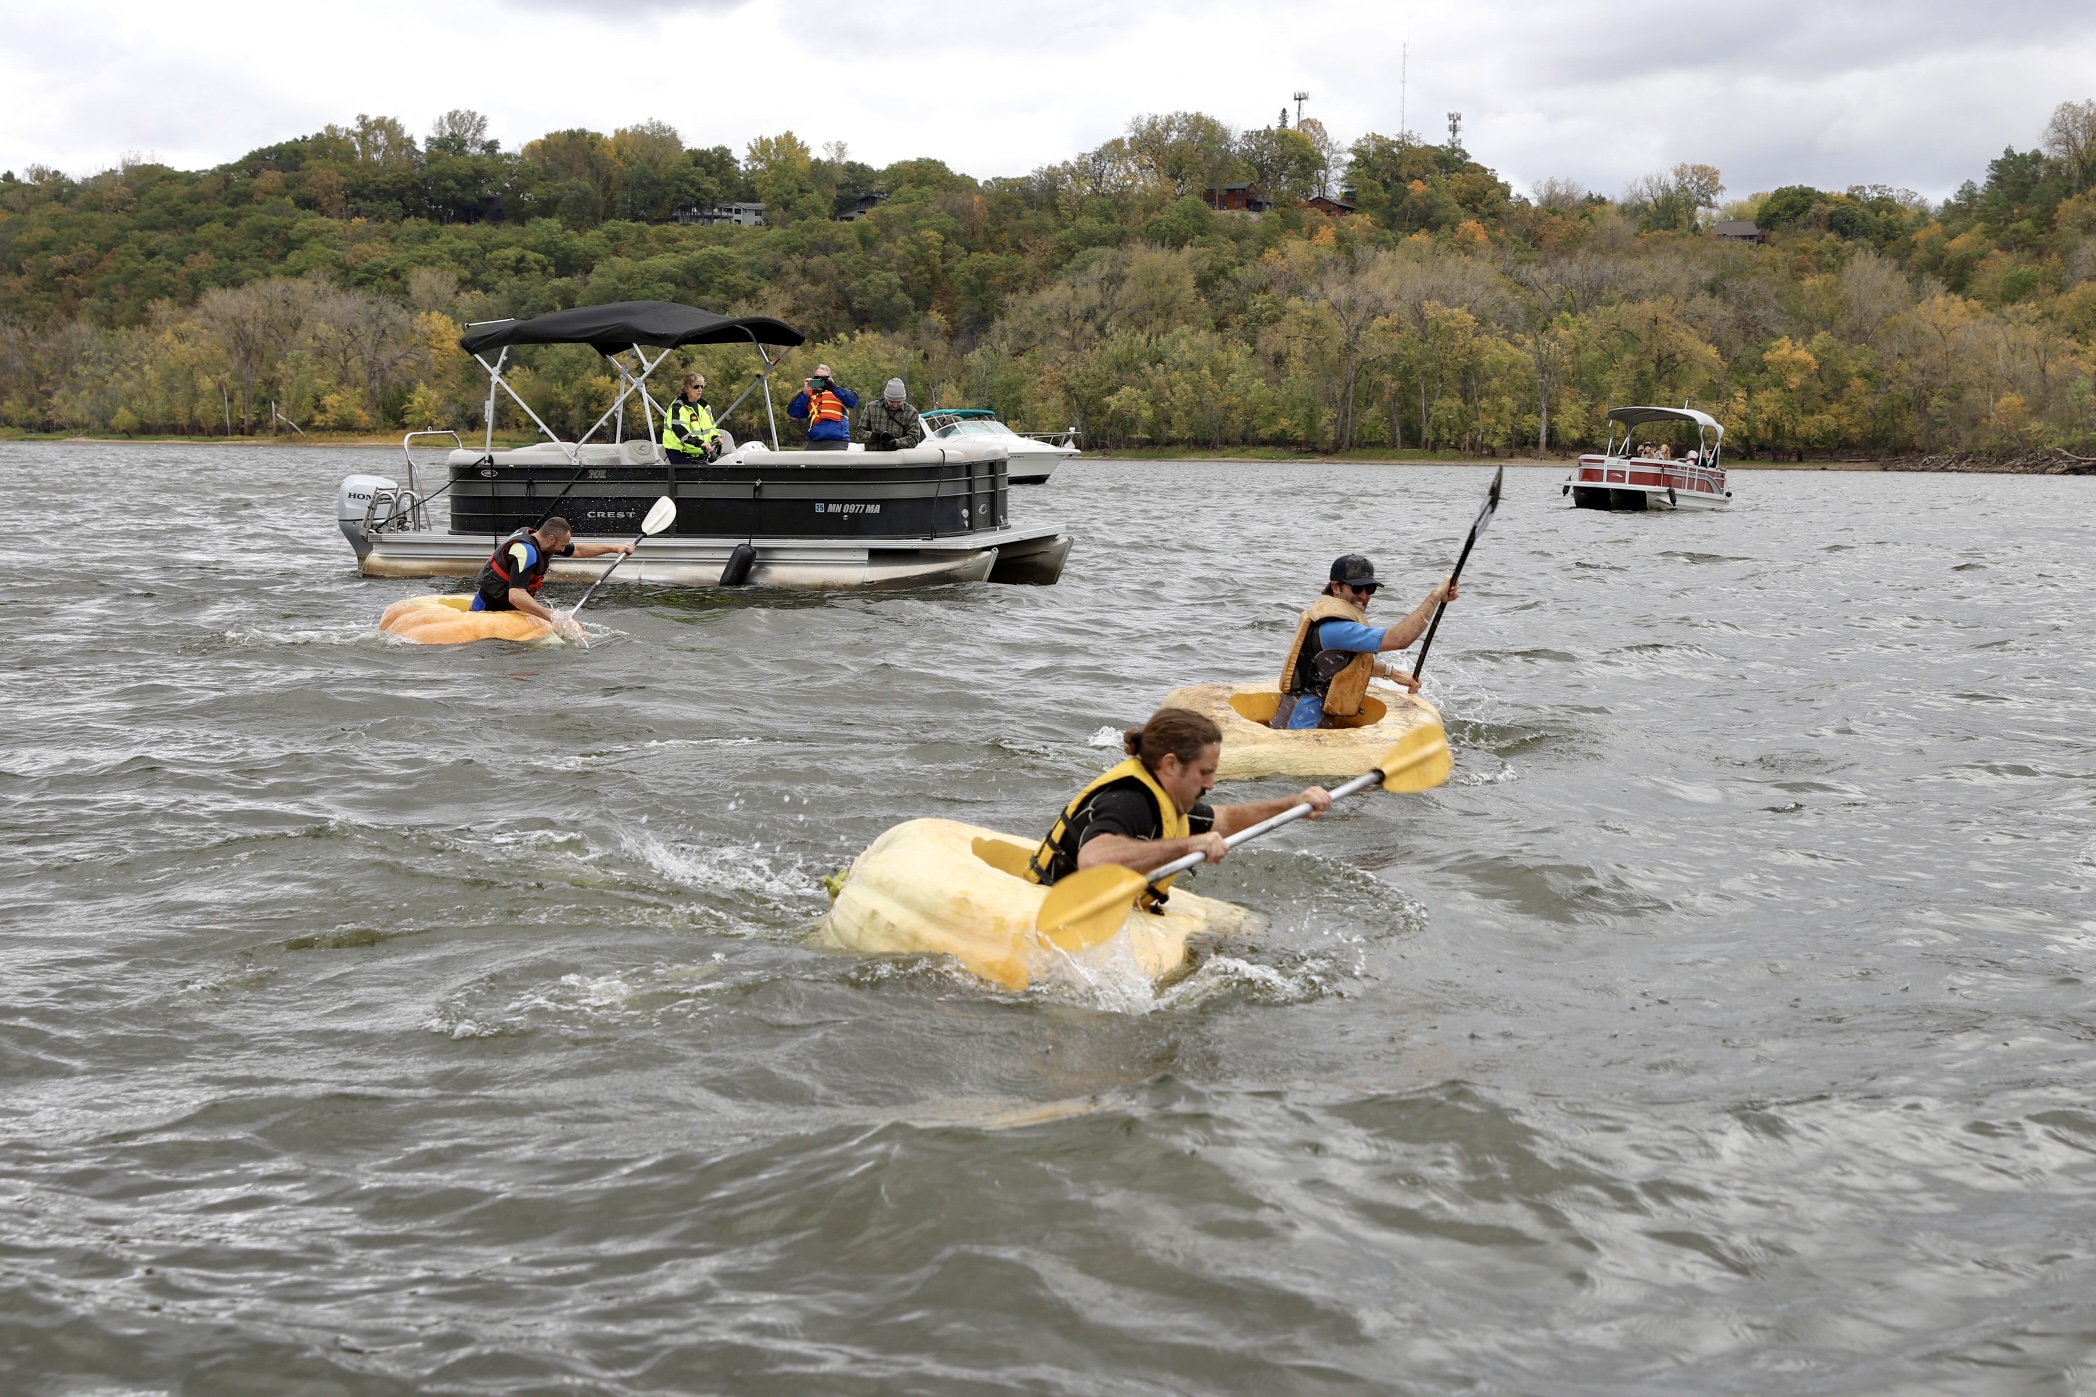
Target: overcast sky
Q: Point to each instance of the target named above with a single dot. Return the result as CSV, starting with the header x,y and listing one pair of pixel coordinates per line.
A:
x,y
1824,92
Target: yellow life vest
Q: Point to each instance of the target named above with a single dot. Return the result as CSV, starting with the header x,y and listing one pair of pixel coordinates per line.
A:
x,y
688,426
1176,825
1347,688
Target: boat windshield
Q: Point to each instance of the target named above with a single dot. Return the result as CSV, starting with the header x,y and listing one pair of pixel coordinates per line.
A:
x,y
975,428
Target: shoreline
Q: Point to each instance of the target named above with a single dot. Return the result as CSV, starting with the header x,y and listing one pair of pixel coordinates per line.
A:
x,y
2030,463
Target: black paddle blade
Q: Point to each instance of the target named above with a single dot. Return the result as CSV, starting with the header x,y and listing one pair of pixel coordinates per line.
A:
x,y
1484,516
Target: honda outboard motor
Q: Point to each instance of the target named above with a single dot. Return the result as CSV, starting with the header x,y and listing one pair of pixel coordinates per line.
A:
x,y
353,502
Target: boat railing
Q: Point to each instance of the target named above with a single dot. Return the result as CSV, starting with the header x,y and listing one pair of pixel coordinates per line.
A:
x,y
1069,437
1707,479
395,510
457,444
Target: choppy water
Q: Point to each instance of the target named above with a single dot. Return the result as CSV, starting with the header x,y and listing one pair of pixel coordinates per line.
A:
x,y
388,1020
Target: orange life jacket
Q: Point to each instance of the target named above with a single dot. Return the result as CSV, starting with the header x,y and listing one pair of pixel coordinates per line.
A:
x,y
825,407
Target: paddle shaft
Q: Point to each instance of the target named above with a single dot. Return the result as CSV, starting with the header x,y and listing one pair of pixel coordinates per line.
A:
x,y
1419,665
1271,822
637,538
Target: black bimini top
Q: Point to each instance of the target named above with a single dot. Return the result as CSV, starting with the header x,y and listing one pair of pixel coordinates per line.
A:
x,y
623,324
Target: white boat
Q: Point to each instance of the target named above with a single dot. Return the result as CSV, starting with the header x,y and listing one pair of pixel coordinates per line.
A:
x,y
938,512
1034,455
1618,479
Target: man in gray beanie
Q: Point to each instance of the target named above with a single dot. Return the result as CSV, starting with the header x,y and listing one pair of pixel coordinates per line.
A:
x,y
891,424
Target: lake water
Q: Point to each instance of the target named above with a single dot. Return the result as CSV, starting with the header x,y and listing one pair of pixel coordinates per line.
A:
x,y
392,1020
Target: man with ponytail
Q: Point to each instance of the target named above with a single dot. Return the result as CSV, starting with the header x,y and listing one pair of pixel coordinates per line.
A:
x,y
1149,810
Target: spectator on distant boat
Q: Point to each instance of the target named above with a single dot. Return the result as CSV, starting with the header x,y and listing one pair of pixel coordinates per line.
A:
x,y
1328,667
688,433
825,405
891,424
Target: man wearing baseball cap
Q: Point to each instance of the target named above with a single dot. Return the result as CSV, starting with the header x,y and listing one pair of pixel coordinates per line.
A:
x,y
1328,667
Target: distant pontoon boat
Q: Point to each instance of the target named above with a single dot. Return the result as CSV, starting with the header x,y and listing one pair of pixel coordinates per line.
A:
x,y
816,519
1616,479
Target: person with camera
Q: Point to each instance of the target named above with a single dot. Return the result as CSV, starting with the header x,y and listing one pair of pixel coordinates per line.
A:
x,y
891,424
825,405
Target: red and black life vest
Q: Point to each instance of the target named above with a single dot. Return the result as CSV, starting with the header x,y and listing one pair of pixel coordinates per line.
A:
x,y
500,573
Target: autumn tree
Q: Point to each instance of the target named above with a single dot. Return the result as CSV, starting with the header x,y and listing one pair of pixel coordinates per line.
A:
x,y
2070,139
782,170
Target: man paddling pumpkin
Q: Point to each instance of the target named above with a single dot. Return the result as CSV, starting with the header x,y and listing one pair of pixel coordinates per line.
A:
x,y
511,577
1149,810
1334,653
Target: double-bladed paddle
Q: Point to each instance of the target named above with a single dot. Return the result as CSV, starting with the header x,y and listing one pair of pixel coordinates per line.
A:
x,y
1089,906
1484,517
661,515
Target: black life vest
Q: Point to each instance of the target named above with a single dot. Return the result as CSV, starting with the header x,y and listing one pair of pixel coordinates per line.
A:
x,y
498,574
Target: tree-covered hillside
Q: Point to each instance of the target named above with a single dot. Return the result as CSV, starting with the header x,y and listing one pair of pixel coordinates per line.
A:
x,y
330,275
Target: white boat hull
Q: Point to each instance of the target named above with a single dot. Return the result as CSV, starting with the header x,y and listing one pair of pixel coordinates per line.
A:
x,y
1010,555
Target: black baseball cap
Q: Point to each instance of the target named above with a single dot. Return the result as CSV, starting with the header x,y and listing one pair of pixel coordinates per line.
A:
x,y
1355,571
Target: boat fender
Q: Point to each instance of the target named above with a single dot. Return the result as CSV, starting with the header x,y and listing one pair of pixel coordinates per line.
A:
x,y
353,502
1565,490
1670,498
737,572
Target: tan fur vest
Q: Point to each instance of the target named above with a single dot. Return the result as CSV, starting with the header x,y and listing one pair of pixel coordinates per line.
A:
x,y
1348,687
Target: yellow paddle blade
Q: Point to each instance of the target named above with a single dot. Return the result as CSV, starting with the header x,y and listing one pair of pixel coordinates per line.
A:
x,y
1419,761
1002,855
1089,906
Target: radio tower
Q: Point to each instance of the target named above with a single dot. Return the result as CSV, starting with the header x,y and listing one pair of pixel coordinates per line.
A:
x,y
1300,98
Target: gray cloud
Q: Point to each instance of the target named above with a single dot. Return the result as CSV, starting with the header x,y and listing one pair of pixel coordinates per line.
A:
x,y
1921,93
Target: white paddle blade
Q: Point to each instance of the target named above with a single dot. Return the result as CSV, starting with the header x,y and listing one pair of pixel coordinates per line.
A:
x,y
661,515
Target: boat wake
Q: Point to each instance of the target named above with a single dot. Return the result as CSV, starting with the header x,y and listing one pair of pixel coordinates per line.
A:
x,y
306,635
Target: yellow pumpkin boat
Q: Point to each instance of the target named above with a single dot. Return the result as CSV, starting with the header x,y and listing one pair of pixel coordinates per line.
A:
x,y
1252,749
450,620
941,887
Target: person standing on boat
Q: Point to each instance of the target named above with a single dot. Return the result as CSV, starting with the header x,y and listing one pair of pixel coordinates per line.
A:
x,y
892,424
688,432
1334,654
1149,810
825,405
511,577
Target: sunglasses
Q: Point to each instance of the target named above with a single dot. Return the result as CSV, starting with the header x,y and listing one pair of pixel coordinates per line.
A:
x,y
1368,587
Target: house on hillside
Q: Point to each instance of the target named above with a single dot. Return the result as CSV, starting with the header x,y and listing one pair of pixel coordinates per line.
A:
x,y
1331,208
864,204
1241,197
1738,230
743,215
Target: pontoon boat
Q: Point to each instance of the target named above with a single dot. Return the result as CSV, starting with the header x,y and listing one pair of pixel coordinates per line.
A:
x,y
1617,479
816,519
